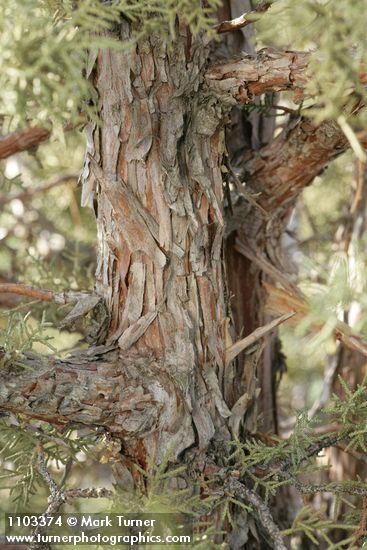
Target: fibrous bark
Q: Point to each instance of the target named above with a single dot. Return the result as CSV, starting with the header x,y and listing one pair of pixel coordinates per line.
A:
x,y
154,172
292,160
131,396
243,78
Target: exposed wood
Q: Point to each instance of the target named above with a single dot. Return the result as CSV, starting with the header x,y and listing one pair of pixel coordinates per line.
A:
x,y
243,20
22,140
241,79
241,345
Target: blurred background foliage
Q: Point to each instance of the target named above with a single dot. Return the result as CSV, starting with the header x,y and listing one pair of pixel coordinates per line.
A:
x,y
47,240
327,243
334,32
49,46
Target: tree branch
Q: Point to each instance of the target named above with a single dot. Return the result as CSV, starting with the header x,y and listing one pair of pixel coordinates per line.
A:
x,y
239,346
22,140
29,193
270,70
281,169
62,298
242,21
238,489
357,489
28,291
130,395
58,497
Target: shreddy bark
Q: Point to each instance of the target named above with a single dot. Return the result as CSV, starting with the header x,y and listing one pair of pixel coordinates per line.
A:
x,y
172,276
154,173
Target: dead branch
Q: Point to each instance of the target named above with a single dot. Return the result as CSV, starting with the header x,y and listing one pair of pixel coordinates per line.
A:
x,y
58,497
356,489
28,291
280,301
239,490
84,301
313,450
267,267
243,20
282,169
236,348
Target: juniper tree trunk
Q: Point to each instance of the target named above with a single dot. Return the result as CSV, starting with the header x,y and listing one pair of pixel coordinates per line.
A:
x,y
156,169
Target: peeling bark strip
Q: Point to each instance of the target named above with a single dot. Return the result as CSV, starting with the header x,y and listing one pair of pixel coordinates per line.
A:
x,y
22,140
238,81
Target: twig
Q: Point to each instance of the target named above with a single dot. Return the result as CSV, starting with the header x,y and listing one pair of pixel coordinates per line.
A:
x,y
280,301
84,302
58,497
329,377
305,489
45,295
94,492
232,351
238,489
26,290
242,21
312,450
55,500
244,193
361,531
56,494
29,193
54,490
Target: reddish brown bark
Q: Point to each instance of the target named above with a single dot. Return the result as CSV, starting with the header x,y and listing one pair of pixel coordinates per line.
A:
x,y
239,80
280,170
153,172
26,290
22,140
154,169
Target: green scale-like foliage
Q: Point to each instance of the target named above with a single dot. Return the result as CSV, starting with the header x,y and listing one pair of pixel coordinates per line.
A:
x,y
44,48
